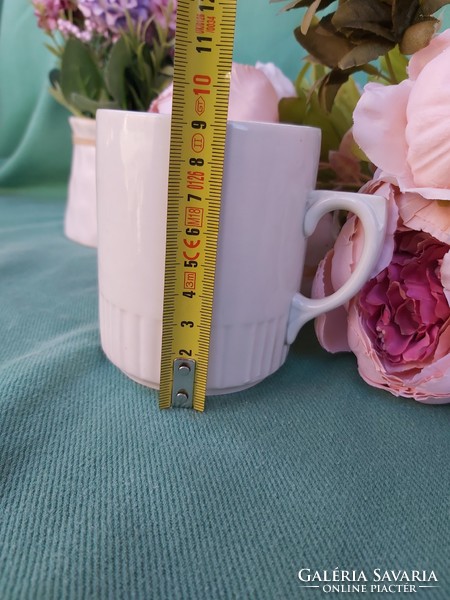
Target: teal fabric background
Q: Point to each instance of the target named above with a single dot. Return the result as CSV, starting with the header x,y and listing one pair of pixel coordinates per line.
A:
x,y
103,496
34,136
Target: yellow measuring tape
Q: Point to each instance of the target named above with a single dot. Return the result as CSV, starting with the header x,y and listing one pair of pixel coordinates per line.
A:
x,y
203,55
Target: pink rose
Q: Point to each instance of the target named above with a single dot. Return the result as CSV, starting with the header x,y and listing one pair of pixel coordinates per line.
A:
x,y
398,326
254,93
404,129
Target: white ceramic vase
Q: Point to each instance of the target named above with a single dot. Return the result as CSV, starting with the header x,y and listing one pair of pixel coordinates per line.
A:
x,y
80,222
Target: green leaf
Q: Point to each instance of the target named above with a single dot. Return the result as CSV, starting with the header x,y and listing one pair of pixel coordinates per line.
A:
x,y
167,71
120,60
330,86
59,97
80,73
340,90
315,116
292,110
398,64
340,120
358,153
370,70
136,72
301,81
55,51
347,98
89,107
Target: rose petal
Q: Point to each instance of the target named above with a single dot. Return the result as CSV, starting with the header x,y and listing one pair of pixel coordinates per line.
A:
x,y
428,125
379,127
252,96
381,188
403,319
445,276
396,345
370,366
422,348
282,84
331,328
431,193
432,384
425,215
377,294
421,58
443,346
347,250
163,103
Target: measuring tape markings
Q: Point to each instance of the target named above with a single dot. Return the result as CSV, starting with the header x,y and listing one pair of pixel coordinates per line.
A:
x,y
198,131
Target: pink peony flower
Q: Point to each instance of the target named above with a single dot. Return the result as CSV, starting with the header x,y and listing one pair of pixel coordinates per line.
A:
x,y
254,93
398,326
404,129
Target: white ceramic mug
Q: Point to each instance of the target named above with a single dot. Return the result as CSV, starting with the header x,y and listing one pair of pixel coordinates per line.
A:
x,y
268,210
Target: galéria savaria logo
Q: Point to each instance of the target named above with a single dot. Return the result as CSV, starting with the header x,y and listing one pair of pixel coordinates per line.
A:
x,y
378,581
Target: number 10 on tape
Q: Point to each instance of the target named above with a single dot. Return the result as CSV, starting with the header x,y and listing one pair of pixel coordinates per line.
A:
x,y
203,54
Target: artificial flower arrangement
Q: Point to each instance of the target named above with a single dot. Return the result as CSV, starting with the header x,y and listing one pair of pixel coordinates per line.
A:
x,y
398,326
115,54
111,53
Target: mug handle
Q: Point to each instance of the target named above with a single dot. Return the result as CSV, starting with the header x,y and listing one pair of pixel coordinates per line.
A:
x,y
372,211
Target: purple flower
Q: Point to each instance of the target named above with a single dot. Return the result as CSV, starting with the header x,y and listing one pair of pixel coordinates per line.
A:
x,y
111,15
165,13
82,18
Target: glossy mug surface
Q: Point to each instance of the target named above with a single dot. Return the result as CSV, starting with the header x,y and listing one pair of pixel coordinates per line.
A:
x,y
268,210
